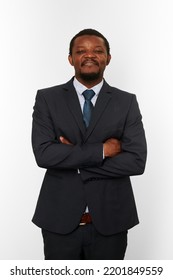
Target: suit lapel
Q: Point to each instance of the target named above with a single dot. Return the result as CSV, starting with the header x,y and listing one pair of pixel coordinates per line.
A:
x,y
74,105
101,104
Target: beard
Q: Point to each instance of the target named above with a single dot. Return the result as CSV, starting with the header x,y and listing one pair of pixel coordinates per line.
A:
x,y
89,76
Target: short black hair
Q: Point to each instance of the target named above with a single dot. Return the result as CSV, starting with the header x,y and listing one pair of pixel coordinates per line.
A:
x,y
91,32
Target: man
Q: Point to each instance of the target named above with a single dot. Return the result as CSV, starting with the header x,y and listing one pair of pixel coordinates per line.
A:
x,y
90,142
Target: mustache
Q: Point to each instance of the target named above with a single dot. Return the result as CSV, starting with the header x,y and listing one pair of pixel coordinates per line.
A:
x,y
90,60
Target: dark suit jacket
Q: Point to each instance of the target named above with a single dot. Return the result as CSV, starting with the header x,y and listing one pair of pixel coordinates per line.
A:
x,y
103,185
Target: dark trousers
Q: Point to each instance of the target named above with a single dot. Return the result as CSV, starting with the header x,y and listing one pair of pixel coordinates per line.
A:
x,y
84,243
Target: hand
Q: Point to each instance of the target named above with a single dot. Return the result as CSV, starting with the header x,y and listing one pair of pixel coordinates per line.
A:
x,y
65,141
112,147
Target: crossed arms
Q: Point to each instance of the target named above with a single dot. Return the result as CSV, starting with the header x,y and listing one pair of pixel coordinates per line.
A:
x,y
122,158
111,147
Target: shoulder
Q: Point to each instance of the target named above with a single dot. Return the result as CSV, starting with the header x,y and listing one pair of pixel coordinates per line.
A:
x,y
118,93
121,93
49,92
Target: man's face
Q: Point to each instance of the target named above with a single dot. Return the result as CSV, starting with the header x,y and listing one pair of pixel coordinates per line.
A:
x,y
89,58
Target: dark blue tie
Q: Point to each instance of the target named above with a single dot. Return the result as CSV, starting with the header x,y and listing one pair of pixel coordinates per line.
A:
x,y
88,106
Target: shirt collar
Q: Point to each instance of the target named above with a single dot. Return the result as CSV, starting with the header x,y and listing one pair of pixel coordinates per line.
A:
x,y
80,88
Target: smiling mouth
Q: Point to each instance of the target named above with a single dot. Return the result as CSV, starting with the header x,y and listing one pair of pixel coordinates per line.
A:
x,y
89,63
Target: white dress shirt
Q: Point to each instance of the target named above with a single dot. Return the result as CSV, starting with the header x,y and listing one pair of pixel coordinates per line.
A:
x,y
80,88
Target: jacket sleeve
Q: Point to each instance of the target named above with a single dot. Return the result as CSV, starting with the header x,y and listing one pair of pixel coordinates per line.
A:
x,y
49,152
131,161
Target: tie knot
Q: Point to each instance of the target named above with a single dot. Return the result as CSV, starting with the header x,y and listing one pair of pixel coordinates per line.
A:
x,y
88,94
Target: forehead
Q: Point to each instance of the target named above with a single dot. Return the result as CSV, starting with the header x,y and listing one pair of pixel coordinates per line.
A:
x,y
89,40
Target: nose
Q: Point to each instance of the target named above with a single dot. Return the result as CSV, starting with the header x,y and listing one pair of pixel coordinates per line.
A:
x,y
89,53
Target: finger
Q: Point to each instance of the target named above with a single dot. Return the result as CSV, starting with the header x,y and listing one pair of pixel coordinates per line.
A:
x,y
61,139
64,140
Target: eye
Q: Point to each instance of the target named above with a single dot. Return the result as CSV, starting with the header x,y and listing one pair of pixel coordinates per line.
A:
x,y
80,51
98,51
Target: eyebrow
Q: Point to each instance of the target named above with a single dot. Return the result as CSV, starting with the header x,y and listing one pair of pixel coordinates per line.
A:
x,y
84,46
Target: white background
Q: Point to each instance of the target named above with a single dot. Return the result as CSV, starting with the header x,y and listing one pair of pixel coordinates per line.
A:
x,y
34,40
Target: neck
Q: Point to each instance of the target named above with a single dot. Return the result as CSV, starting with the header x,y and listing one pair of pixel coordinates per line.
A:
x,y
89,83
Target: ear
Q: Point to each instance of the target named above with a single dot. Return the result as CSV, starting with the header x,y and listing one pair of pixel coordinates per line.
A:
x,y
70,59
108,59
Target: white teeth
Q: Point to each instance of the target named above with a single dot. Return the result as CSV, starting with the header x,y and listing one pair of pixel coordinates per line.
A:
x,y
89,63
